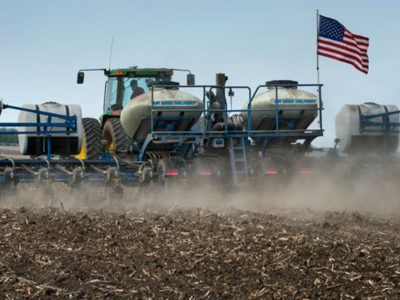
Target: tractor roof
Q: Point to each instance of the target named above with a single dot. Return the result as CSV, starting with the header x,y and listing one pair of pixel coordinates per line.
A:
x,y
138,72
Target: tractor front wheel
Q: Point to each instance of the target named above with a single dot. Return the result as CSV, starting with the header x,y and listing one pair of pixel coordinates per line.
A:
x,y
117,140
91,147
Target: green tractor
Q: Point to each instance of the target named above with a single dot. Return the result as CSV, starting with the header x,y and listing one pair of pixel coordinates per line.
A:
x,y
121,87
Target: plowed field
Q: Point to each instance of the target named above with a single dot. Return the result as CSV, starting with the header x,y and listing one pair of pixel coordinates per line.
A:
x,y
197,254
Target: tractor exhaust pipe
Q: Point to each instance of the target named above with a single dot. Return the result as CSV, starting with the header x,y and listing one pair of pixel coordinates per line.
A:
x,y
220,80
219,101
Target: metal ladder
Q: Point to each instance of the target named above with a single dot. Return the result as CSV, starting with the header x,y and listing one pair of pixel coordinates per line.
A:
x,y
238,159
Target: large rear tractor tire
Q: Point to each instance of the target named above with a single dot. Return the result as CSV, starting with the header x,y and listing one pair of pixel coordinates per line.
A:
x,y
92,147
117,140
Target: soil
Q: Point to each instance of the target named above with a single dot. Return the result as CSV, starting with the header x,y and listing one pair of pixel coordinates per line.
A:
x,y
197,254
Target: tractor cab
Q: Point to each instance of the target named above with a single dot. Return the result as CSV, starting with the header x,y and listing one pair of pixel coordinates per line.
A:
x,y
123,85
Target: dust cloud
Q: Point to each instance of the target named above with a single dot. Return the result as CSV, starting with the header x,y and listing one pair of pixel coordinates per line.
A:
x,y
332,189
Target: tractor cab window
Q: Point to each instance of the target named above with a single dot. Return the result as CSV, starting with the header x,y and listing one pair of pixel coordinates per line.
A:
x,y
110,96
134,87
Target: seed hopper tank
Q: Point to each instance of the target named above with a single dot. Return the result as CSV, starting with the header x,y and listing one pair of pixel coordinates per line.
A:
x,y
368,127
62,143
296,108
135,116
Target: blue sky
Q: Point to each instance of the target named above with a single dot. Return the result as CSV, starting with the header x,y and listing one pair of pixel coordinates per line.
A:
x,y
45,43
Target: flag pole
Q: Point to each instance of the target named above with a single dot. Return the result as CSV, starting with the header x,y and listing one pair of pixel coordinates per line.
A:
x,y
319,87
317,46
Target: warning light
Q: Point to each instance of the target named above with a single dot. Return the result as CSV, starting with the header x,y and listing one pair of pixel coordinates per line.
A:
x,y
171,173
271,172
305,171
119,73
206,173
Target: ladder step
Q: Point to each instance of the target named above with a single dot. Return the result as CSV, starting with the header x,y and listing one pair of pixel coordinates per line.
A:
x,y
238,162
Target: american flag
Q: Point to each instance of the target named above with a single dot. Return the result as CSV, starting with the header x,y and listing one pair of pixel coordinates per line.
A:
x,y
337,42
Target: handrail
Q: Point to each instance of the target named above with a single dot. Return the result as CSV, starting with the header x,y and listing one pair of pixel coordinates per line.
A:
x,y
388,127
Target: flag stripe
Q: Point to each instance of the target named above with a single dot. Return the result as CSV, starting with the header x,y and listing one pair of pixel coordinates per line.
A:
x,y
349,35
345,54
360,38
357,37
337,42
341,56
349,40
333,55
362,61
346,47
345,61
350,54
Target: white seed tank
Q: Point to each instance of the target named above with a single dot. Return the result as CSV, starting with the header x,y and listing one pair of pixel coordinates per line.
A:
x,y
61,144
135,116
289,97
348,129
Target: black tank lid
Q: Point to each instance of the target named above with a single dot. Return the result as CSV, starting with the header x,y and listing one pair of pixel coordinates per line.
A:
x,y
282,83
